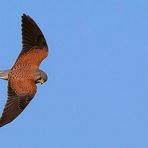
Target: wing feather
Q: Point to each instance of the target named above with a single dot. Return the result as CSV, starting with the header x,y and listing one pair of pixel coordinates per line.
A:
x,y
32,38
16,103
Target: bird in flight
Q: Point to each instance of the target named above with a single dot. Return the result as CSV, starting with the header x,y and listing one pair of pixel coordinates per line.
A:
x,y
25,73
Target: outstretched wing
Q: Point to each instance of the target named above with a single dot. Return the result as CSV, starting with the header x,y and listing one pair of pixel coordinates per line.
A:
x,y
17,100
34,46
21,85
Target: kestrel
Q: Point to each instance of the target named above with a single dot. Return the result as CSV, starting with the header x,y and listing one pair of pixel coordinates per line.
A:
x,y
25,73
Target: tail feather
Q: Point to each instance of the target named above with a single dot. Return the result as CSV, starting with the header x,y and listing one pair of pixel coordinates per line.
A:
x,y
4,74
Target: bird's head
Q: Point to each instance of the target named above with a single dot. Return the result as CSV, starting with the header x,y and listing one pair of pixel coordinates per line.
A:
x,y
40,76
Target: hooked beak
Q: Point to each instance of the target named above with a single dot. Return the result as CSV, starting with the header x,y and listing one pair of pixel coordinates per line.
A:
x,y
41,81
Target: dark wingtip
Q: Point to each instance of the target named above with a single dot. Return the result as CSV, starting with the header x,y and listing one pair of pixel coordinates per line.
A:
x,y
31,33
24,16
2,123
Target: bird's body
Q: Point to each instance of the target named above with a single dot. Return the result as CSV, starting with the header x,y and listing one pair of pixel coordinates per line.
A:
x,y
25,73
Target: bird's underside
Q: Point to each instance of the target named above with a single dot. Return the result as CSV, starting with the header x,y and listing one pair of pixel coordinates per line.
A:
x,y
25,73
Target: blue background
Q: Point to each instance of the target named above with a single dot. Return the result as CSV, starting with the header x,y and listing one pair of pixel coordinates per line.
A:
x,y
97,92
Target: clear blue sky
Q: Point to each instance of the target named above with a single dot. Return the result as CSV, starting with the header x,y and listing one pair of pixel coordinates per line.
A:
x,y
97,92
